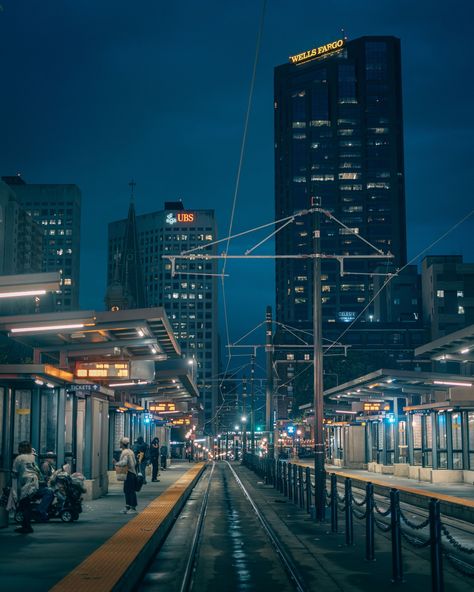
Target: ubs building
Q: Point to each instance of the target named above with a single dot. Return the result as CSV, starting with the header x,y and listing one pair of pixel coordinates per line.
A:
x,y
339,138
190,295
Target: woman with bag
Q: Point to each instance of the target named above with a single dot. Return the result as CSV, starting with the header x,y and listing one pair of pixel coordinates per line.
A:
x,y
127,472
25,482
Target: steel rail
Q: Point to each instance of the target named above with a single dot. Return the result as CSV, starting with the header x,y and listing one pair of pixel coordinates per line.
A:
x,y
189,569
280,551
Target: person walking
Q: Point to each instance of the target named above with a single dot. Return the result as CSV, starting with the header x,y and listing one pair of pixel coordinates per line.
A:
x,y
154,459
25,475
127,459
164,456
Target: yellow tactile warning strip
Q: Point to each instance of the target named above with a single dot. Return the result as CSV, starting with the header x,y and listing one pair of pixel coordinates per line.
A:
x,y
431,494
106,566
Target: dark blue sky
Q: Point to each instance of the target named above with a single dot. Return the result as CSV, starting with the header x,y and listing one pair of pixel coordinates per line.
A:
x,y
97,92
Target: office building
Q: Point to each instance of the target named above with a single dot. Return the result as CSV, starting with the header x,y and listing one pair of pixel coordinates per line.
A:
x,y
21,239
448,294
190,296
57,209
339,139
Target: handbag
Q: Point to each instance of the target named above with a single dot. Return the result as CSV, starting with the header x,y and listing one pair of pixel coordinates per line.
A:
x,y
121,472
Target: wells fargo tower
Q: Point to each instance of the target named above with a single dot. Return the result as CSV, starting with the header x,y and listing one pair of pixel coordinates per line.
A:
x,y
338,137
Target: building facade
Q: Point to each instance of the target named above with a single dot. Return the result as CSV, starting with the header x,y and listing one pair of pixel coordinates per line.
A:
x,y
190,296
448,294
57,209
338,138
21,239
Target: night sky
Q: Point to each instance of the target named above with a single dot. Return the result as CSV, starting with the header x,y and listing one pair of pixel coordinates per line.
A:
x,y
96,92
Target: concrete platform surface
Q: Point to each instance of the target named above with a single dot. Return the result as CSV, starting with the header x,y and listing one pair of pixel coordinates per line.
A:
x,y
36,562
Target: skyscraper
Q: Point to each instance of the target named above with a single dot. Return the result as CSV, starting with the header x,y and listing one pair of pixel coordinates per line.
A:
x,y
57,209
190,296
339,138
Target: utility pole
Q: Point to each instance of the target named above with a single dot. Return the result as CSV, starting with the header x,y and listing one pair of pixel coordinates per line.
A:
x,y
319,470
252,404
244,416
269,387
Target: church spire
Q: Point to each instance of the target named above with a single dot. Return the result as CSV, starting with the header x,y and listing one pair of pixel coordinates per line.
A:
x,y
127,288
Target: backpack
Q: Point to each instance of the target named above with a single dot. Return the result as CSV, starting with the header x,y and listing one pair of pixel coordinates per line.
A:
x,y
140,481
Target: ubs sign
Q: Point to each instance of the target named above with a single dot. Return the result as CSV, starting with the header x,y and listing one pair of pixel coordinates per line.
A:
x,y
180,218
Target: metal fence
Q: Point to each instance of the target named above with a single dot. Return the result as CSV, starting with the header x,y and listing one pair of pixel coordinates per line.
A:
x,y
297,483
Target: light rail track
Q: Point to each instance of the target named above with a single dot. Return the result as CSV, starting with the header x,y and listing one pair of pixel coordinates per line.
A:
x,y
222,539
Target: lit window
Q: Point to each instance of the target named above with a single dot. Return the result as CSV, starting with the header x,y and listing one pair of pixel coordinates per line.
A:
x,y
307,357
440,293
460,309
290,356
67,281
460,294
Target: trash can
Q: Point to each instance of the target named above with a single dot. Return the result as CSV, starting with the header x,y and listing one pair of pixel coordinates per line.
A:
x,y
4,476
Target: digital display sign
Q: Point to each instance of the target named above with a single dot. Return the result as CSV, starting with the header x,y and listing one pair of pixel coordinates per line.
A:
x,y
317,52
162,407
376,407
103,370
181,421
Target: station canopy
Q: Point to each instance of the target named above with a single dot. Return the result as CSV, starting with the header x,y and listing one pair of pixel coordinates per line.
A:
x,y
128,350
457,346
389,384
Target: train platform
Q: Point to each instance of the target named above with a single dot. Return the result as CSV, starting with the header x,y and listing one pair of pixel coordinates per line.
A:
x,y
103,547
455,493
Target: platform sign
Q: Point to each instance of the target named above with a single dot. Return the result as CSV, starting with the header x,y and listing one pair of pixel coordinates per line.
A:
x,y
181,421
102,370
162,407
376,407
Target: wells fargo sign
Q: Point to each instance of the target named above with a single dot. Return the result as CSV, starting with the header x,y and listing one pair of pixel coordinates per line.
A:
x,y
317,52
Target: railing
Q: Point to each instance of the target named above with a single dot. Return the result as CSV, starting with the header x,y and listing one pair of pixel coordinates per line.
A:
x,y
296,482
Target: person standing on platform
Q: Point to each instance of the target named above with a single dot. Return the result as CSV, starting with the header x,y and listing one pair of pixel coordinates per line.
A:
x,y
164,456
140,448
127,459
155,458
26,474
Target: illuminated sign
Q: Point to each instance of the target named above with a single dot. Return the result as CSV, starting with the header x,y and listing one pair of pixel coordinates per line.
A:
x,y
102,370
317,52
164,407
376,407
180,218
180,422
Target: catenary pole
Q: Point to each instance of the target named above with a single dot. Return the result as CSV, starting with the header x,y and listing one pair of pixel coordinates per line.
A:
x,y
269,387
319,471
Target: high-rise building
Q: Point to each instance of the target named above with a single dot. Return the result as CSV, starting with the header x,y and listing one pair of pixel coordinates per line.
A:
x,y
57,209
21,239
190,295
338,138
448,294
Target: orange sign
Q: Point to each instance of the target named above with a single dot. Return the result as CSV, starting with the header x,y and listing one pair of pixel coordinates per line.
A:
x,y
185,216
103,370
162,407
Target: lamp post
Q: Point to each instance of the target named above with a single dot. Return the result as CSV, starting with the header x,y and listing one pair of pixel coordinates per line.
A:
x,y
252,404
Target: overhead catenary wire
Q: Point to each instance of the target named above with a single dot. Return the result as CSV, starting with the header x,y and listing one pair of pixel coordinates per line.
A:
x,y
239,168
390,278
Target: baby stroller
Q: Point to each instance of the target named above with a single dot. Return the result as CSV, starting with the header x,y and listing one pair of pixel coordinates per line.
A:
x,y
67,500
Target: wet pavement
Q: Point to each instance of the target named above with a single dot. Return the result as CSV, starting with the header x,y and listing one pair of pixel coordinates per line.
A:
x,y
234,554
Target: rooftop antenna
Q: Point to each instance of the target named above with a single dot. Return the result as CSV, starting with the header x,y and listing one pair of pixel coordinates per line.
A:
x,y
132,185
